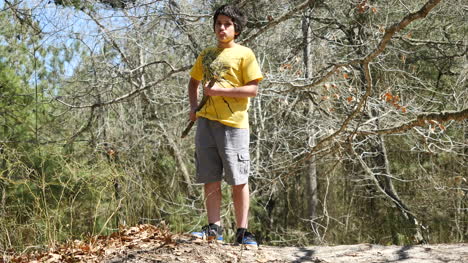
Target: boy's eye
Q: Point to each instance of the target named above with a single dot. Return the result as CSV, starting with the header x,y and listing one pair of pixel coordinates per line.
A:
x,y
227,24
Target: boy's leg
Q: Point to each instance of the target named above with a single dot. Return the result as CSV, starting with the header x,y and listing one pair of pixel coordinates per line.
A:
x,y
236,164
240,195
213,198
241,199
209,168
209,172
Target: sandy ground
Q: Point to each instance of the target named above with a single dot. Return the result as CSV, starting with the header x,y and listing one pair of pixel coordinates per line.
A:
x,y
152,244
186,250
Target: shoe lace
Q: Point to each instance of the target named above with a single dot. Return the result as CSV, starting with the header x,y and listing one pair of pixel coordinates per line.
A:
x,y
244,235
206,229
248,235
209,230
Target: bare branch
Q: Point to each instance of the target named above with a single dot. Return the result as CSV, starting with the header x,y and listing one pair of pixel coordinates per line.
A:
x,y
389,32
421,121
280,19
365,64
327,75
24,19
83,128
110,39
128,95
351,116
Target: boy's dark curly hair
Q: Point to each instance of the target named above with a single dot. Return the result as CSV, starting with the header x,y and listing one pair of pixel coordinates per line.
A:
x,y
235,14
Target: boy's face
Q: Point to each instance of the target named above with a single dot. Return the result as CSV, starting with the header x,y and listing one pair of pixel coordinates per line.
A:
x,y
224,29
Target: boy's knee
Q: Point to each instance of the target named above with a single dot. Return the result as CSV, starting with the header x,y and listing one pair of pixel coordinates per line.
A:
x,y
239,187
213,185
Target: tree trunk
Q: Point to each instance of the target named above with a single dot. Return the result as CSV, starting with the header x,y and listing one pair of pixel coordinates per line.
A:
x,y
386,184
3,168
463,207
379,168
311,178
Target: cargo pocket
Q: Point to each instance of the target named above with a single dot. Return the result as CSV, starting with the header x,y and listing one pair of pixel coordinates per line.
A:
x,y
244,163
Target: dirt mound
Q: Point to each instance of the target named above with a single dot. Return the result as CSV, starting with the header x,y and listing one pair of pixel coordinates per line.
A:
x,y
147,243
188,251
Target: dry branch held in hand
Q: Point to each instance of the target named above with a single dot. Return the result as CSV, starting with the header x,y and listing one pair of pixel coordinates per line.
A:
x,y
200,106
213,70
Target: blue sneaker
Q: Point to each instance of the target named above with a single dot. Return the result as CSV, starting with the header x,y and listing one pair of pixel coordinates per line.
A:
x,y
211,232
243,237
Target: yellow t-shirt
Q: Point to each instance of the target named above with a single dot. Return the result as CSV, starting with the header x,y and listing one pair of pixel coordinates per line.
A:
x,y
232,67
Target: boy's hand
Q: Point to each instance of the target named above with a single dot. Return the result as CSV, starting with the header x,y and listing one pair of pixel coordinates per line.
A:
x,y
210,91
193,115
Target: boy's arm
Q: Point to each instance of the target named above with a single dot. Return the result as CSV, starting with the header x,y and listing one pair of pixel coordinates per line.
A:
x,y
248,90
193,97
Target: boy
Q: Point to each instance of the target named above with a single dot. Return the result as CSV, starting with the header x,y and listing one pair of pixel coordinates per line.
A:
x,y
229,74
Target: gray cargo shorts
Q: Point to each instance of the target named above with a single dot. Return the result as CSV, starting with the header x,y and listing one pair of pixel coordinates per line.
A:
x,y
221,148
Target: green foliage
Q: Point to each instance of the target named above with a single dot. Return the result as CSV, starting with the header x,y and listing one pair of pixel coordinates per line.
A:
x,y
58,199
25,80
15,102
